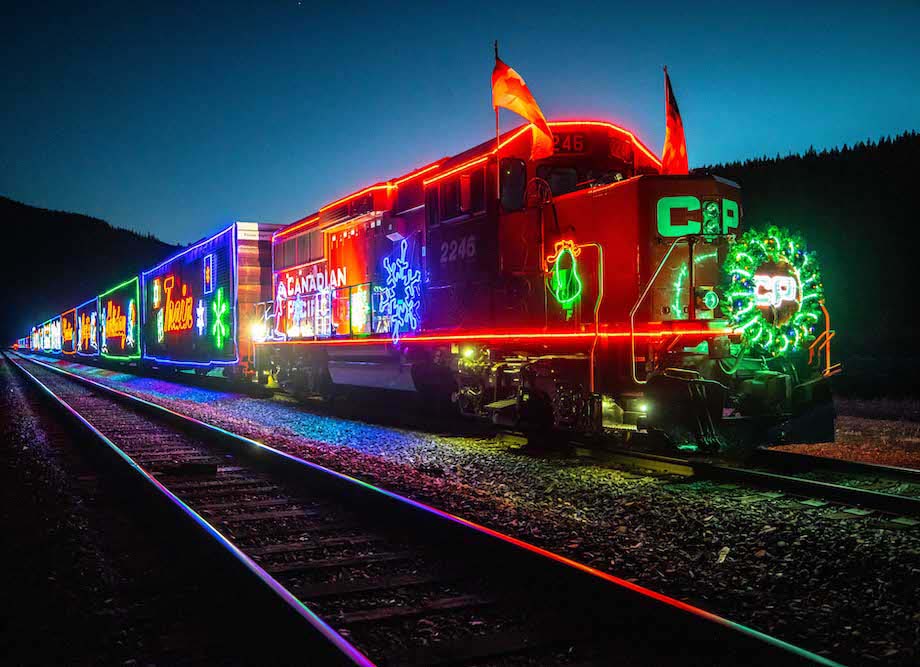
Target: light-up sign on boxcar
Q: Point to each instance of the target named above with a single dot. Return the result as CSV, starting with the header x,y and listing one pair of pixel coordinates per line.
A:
x,y
68,331
190,305
87,334
119,326
36,338
56,334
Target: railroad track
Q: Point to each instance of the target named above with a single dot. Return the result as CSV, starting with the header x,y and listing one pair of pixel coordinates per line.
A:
x,y
886,489
376,578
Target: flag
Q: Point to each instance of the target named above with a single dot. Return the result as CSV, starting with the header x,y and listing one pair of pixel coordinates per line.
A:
x,y
674,154
510,92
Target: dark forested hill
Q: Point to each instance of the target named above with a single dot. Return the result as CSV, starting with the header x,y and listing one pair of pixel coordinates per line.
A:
x,y
51,261
858,208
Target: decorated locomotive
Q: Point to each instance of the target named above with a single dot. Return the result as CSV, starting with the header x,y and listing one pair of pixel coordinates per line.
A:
x,y
581,291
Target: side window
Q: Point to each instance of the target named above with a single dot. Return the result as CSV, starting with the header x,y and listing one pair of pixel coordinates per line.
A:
x,y
450,198
431,206
316,245
475,192
277,257
513,183
303,248
466,194
287,253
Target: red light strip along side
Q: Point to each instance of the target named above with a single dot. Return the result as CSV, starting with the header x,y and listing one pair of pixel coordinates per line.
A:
x,y
416,174
520,131
445,338
297,226
389,185
372,188
599,123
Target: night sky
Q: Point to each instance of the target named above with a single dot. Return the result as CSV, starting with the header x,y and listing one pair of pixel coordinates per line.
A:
x,y
178,119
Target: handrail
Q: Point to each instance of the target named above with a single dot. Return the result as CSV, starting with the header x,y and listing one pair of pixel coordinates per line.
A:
x,y
635,308
597,308
823,343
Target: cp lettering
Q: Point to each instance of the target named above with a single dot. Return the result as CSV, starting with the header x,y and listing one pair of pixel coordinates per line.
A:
x,y
774,290
689,203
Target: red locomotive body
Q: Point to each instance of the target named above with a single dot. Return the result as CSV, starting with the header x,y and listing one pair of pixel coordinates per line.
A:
x,y
577,292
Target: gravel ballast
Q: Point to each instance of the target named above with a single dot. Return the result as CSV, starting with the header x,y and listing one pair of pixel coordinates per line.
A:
x,y
840,584
885,432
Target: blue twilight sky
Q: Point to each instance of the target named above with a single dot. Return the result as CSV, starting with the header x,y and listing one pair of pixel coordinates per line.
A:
x,y
177,118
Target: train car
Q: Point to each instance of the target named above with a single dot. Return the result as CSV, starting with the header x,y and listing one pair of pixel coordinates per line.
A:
x,y
119,322
68,332
87,323
580,292
51,335
203,306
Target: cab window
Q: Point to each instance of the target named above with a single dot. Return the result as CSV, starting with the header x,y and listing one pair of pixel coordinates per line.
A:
x,y
562,180
513,183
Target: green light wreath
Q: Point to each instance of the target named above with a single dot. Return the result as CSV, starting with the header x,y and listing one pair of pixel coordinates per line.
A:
x,y
773,290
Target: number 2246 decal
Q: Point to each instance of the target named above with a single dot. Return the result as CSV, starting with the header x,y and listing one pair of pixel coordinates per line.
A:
x,y
458,249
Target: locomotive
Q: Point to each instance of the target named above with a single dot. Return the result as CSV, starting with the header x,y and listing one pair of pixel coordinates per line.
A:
x,y
582,292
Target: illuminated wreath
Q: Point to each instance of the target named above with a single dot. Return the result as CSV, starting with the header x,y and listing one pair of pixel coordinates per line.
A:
x,y
773,290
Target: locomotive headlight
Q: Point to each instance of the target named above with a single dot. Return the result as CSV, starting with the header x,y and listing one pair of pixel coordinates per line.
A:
x,y
643,408
468,352
257,330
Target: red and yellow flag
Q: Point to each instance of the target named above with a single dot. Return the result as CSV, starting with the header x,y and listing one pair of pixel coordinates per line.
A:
x,y
510,92
674,154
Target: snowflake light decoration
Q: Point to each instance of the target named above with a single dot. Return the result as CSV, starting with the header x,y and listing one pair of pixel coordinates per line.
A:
x,y
219,328
400,298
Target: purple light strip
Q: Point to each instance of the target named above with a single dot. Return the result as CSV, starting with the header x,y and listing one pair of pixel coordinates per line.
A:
x,y
305,612
188,250
635,588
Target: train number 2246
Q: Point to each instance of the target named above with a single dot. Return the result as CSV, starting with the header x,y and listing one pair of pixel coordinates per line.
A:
x,y
457,250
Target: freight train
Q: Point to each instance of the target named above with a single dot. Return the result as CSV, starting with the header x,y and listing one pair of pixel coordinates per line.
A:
x,y
581,292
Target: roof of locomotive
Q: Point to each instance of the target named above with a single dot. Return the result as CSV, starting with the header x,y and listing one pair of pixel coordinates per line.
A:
x,y
439,169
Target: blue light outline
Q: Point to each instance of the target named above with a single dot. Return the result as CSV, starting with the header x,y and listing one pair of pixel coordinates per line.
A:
x,y
134,357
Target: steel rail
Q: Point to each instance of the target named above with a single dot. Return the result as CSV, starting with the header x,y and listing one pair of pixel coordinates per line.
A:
x,y
779,458
688,467
349,653
691,624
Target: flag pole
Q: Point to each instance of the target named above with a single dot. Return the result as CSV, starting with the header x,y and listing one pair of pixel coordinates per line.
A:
x,y
498,175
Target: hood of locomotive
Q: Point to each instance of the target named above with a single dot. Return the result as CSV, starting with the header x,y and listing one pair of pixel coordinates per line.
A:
x,y
636,222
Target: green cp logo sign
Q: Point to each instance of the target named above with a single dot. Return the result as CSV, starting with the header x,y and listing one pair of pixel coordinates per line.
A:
x,y
713,220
